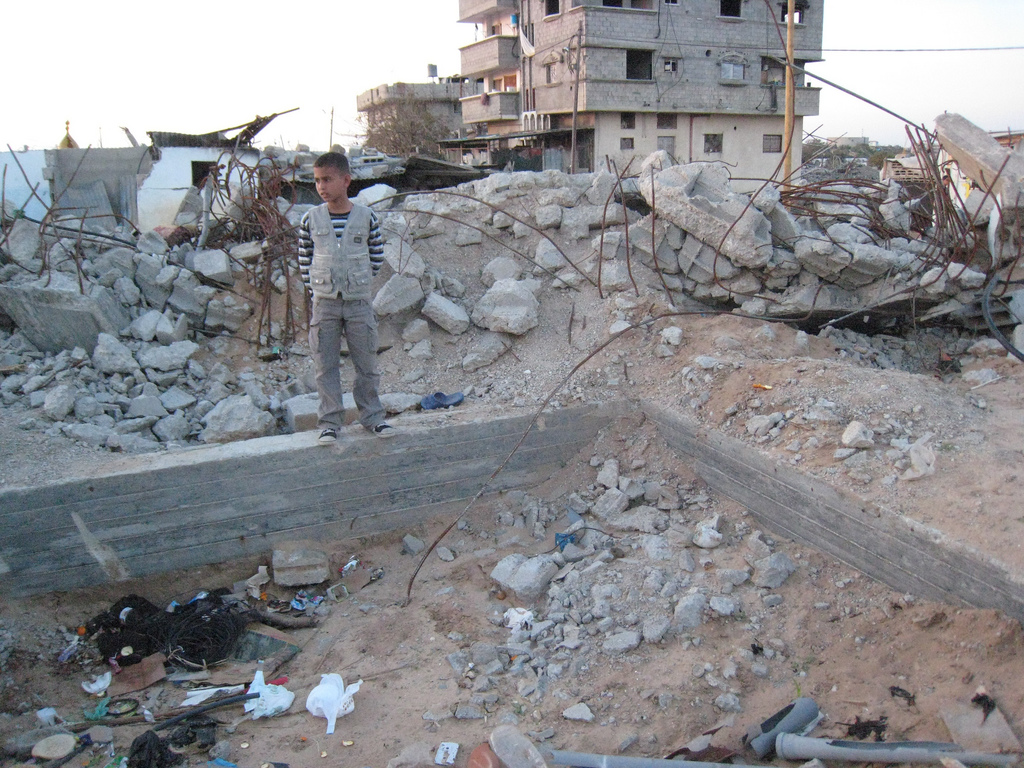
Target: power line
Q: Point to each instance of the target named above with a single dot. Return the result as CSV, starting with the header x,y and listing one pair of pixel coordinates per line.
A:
x,y
921,50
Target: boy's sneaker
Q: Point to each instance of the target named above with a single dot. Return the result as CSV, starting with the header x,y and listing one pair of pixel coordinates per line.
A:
x,y
327,437
384,430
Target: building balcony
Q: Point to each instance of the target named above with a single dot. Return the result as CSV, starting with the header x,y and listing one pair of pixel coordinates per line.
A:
x,y
478,11
492,54
490,107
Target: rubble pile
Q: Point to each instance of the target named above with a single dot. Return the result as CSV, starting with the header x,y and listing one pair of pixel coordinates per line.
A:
x,y
124,344
645,563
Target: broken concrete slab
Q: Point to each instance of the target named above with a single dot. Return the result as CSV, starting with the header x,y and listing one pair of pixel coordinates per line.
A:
x,y
298,563
446,313
984,160
235,418
24,244
697,198
509,306
54,315
399,293
214,265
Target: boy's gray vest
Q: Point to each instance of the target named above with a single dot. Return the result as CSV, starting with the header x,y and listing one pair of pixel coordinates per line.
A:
x,y
341,268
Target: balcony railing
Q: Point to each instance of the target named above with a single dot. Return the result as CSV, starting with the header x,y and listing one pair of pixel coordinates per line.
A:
x,y
479,10
492,54
489,107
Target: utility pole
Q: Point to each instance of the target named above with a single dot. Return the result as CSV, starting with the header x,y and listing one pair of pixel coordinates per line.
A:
x,y
330,140
575,68
790,94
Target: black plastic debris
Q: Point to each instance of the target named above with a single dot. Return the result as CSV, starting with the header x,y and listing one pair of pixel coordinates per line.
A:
x,y
150,751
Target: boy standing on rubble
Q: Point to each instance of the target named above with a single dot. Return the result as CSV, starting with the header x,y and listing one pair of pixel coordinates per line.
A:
x,y
341,249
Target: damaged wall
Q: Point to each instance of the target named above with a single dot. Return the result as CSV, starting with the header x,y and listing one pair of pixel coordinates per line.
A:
x,y
160,194
18,192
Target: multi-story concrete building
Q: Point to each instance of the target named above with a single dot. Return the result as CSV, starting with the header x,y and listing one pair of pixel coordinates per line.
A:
x,y
701,79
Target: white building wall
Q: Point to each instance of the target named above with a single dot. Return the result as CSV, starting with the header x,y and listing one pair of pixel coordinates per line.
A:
x,y
742,142
16,190
161,193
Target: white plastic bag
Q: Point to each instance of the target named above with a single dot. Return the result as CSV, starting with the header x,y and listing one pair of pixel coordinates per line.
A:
x,y
99,683
331,699
273,700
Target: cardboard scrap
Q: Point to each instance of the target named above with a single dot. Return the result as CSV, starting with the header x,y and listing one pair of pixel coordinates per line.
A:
x,y
138,676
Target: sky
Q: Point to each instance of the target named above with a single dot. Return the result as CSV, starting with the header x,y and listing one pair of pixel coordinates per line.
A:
x,y
197,66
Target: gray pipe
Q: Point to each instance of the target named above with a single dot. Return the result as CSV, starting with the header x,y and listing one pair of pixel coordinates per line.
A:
x,y
583,760
788,746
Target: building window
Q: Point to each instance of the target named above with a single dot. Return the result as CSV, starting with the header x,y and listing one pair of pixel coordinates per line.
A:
x,y
551,7
730,8
612,3
666,121
771,143
798,11
671,2
713,143
668,144
549,73
670,65
626,142
638,64
627,120
732,70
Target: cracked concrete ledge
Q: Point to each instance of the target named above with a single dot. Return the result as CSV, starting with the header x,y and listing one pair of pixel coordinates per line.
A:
x,y
894,549
223,502
213,504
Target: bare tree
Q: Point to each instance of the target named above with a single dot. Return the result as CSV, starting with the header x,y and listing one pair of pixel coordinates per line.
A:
x,y
405,126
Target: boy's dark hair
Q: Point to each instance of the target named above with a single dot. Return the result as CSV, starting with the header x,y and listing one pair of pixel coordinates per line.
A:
x,y
334,160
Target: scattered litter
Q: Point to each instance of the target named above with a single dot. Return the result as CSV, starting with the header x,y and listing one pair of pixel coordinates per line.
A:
x,y
150,751
70,652
54,747
122,707
518,619
139,676
986,702
900,693
441,400
330,699
861,729
47,716
446,753
99,684
254,584
304,600
273,699
99,712
199,695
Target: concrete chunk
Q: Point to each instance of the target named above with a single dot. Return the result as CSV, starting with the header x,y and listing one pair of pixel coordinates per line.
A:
x,y
296,563
446,313
54,315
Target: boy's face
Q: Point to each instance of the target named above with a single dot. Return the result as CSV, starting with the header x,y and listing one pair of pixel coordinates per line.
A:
x,y
331,184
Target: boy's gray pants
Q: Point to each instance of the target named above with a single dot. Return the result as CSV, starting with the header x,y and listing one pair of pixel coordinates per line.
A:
x,y
331,318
